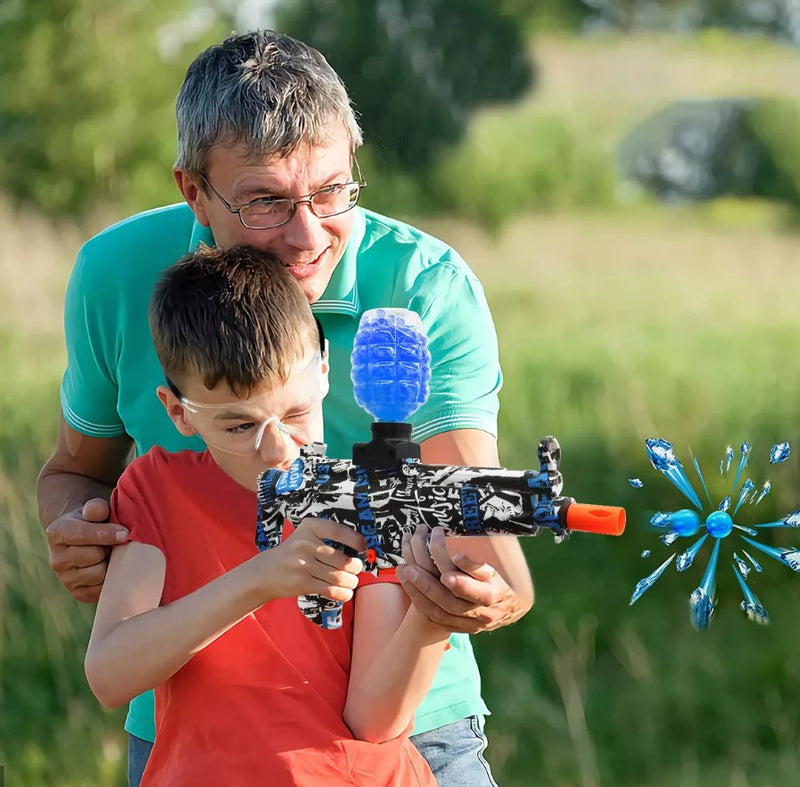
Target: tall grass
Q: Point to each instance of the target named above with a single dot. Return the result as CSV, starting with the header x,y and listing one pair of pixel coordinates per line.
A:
x,y
51,732
662,325
611,332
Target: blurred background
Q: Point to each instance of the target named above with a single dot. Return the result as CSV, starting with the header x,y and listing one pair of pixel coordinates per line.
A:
x,y
624,177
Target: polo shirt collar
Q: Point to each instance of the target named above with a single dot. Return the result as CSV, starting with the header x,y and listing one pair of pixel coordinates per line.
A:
x,y
341,294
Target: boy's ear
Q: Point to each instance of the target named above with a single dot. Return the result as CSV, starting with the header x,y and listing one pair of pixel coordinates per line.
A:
x,y
175,411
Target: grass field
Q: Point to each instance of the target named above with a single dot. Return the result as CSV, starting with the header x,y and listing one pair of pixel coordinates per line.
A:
x,y
613,327
613,330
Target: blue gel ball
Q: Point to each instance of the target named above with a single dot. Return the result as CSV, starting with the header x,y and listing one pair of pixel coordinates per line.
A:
x,y
719,524
684,522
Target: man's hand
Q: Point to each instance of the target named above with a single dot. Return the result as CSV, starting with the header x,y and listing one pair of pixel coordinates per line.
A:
x,y
80,543
459,595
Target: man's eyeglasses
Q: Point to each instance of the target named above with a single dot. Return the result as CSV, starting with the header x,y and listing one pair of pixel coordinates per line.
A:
x,y
266,213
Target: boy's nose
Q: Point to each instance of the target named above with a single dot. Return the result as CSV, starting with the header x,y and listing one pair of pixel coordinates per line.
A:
x,y
276,446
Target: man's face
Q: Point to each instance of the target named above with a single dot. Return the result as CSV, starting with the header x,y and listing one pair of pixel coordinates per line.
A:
x,y
309,246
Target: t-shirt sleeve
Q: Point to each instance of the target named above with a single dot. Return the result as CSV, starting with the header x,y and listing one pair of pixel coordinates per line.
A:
x,y
465,367
366,578
89,387
133,503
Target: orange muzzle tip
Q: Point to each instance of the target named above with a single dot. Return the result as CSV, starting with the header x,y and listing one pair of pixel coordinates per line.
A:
x,y
603,520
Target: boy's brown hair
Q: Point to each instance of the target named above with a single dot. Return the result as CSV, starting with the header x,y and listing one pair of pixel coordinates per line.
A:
x,y
234,315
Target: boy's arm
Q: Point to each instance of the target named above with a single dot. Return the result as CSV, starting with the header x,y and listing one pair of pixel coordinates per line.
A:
x,y
396,652
137,644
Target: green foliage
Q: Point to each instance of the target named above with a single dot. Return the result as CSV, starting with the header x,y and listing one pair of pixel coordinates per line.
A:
x,y
546,15
87,102
775,122
415,69
524,159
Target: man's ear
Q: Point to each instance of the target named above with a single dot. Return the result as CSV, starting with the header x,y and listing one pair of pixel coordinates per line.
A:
x,y
175,411
193,193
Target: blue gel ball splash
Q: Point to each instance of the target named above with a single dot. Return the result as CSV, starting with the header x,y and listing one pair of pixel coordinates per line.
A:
x,y
391,364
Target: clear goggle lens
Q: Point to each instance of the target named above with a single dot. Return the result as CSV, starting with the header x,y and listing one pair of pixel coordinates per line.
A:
x,y
240,427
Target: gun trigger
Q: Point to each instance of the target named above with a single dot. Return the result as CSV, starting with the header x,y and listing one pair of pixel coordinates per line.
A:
x,y
349,551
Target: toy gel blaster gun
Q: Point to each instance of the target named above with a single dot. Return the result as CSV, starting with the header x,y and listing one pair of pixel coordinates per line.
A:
x,y
386,492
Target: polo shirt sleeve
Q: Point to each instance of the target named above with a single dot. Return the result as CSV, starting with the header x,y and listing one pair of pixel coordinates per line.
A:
x,y
465,368
89,389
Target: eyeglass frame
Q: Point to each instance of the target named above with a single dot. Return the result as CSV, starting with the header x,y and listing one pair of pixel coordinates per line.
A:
x,y
293,201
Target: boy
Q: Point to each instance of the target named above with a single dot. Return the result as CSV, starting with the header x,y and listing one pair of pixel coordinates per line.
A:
x,y
247,690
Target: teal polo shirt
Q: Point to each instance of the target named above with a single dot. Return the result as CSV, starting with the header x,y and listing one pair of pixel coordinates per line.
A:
x,y
112,371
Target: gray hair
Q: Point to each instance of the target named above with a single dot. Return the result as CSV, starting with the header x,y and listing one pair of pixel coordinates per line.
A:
x,y
263,89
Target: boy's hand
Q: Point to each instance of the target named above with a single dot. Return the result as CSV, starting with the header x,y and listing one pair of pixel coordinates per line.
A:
x,y
309,566
80,543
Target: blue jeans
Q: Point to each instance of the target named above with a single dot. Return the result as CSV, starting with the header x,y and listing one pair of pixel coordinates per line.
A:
x,y
138,752
454,753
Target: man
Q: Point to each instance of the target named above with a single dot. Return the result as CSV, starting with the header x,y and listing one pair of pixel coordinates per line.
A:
x,y
266,156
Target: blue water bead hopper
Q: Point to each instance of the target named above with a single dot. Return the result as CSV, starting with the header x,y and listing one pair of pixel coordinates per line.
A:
x,y
391,371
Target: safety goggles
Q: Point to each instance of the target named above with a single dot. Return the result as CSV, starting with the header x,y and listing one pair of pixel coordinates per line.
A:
x,y
239,426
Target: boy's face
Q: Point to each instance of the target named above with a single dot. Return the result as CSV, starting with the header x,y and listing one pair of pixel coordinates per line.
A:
x,y
309,246
247,436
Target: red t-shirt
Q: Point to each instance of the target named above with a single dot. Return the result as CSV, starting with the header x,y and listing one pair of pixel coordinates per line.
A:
x,y
263,703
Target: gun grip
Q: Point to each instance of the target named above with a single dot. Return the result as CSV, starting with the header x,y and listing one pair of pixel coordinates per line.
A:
x,y
322,611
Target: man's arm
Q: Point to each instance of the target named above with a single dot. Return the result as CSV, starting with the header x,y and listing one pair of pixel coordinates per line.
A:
x,y
73,489
487,585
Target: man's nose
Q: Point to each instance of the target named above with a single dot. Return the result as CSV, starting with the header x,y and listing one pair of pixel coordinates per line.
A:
x,y
275,445
304,230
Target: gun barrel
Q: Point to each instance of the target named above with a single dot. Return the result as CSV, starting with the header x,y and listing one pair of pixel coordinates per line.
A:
x,y
603,520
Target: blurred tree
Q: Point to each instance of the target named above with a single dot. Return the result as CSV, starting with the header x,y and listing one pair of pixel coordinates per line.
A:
x,y
706,148
87,91
776,18
546,14
416,69
694,150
